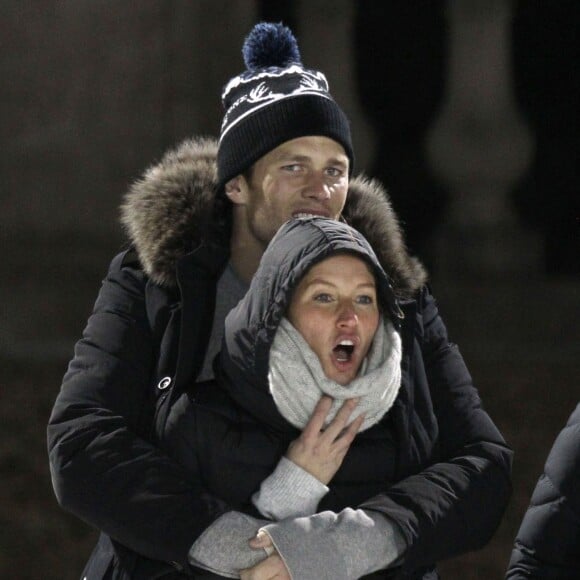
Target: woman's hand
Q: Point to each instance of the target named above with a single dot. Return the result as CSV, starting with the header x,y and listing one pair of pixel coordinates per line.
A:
x,y
321,453
272,568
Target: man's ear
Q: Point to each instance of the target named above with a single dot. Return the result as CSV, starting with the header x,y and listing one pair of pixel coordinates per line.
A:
x,y
237,190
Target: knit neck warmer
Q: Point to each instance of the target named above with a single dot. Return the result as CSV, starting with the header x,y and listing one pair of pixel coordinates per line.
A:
x,y
297,380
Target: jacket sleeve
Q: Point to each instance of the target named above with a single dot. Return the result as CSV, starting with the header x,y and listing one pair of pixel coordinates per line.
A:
x,y
455,504
102,470
548,542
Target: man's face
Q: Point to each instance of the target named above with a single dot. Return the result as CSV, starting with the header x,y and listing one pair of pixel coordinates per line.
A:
x,y
334,307
304,176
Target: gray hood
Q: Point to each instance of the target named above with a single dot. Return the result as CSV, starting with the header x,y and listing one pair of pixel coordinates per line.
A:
x,y
251,326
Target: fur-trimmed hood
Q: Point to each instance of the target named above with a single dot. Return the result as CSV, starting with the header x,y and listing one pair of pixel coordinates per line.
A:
x,y
172,210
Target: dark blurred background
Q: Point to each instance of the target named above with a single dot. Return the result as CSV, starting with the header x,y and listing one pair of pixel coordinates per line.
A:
x,y
465,109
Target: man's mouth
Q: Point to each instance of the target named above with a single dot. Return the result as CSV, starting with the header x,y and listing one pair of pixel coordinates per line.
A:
x,y
310,213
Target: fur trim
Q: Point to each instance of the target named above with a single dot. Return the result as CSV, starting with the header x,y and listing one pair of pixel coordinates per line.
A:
x,y
166,213
171,210
368,210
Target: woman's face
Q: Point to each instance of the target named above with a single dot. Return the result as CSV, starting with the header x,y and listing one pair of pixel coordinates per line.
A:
x,y
334,307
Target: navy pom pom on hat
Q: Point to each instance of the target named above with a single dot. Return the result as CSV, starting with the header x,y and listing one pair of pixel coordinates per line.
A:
x,y
275,100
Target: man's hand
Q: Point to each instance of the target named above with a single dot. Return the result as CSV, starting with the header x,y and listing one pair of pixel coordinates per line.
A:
x,y
321,453
272,568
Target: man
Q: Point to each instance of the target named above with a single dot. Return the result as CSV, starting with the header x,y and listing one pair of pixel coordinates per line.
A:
x,y
197,236
285,148
304,176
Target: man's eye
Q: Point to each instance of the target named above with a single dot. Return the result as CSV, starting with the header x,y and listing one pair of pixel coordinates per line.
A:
x,y
334,172
293,168
323,297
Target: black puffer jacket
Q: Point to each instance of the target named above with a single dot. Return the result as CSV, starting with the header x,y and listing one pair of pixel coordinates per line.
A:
x,y
145,341
548,541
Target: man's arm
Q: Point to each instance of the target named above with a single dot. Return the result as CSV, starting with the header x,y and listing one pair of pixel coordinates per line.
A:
x,y
455,504
102,469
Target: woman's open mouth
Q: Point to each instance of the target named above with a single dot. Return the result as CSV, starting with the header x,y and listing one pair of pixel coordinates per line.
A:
x,y
343,351
345,360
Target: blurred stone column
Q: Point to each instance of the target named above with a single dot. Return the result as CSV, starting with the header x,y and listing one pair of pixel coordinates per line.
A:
x,y
479,147
206,51
325,36
94,92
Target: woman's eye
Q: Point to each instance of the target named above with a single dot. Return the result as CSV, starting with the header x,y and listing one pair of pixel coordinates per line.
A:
x,y
364,299
323,298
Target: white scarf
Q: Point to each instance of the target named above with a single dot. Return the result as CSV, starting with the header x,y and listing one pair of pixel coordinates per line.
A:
x,y
297,380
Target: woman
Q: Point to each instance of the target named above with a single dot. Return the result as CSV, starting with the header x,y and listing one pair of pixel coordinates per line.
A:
x,y
406,492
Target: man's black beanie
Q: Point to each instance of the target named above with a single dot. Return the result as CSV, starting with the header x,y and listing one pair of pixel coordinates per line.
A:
x,y
275,100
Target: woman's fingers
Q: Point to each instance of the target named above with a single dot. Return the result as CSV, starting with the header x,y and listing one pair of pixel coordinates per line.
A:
x,y
347,437
272,568
261,540
318,452
339,422
318,417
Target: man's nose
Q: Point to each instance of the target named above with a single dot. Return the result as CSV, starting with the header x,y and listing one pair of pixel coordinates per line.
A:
x,y
318,187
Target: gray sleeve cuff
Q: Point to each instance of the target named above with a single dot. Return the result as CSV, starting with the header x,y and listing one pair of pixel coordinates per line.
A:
x,y
223,547
342,546
289,492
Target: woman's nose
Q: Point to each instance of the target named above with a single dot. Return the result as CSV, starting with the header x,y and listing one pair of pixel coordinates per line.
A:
x,y
347,316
